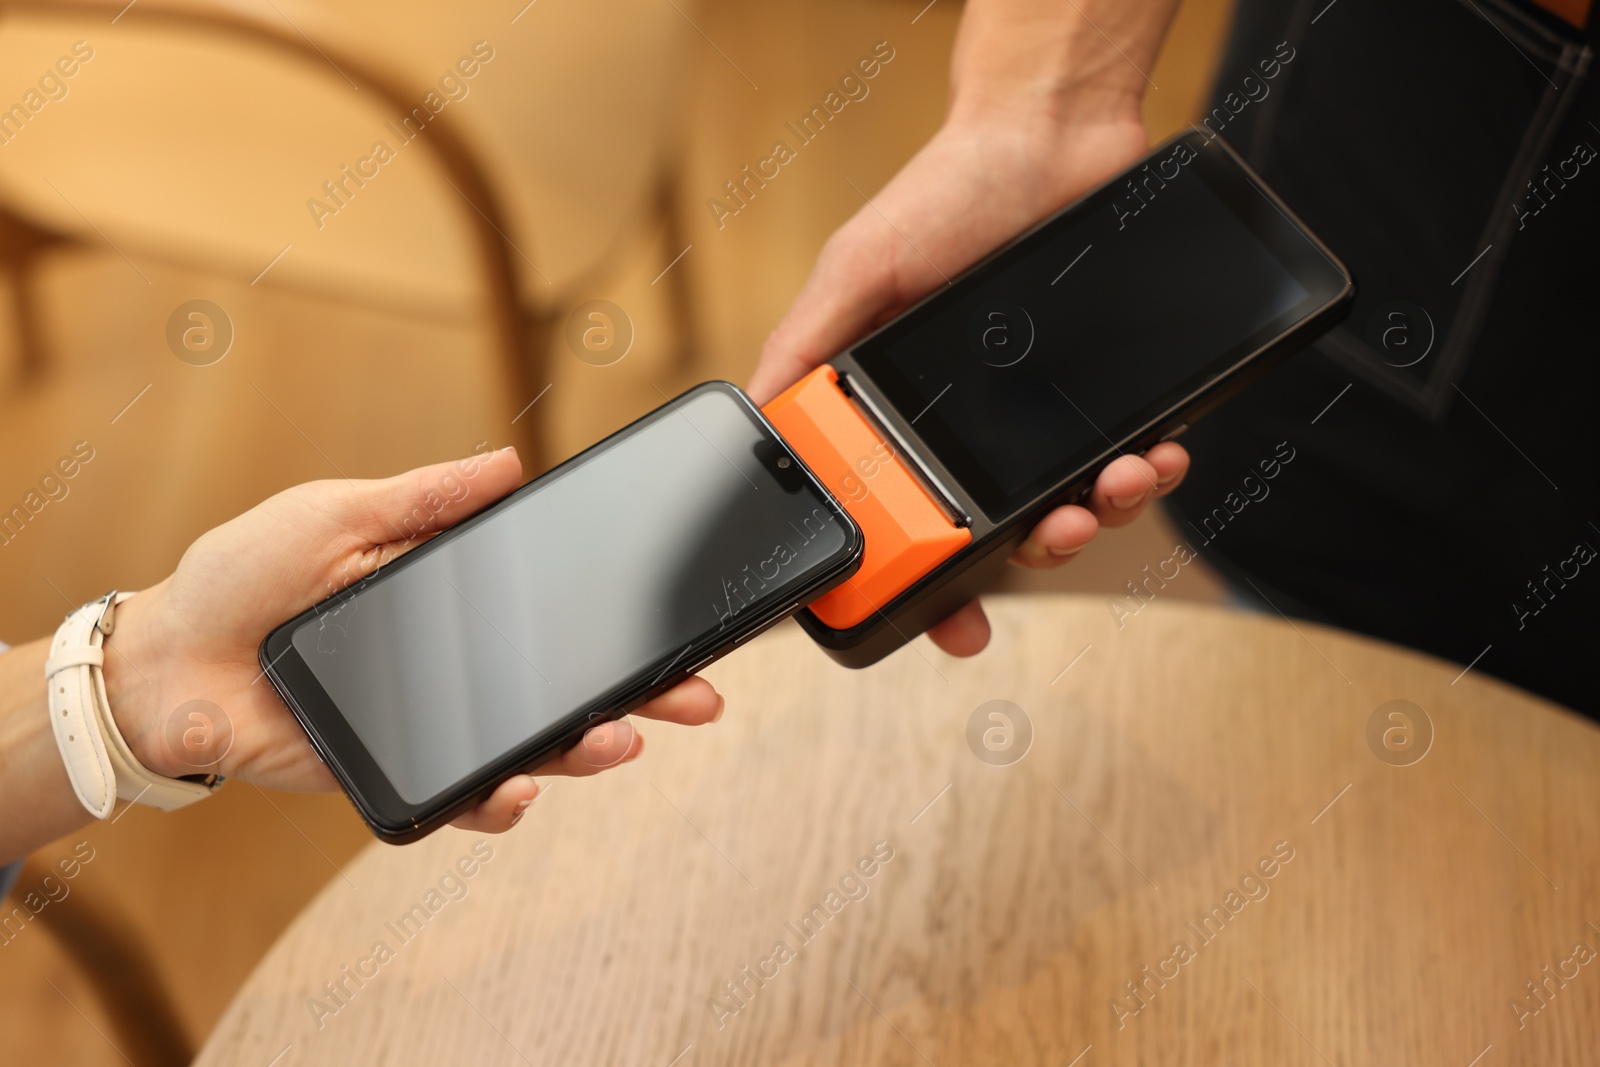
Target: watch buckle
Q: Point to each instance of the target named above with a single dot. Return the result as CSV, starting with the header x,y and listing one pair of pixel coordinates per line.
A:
x,y
106,622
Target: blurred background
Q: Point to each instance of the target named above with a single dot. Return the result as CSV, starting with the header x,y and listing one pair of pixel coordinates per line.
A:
x,y
420,311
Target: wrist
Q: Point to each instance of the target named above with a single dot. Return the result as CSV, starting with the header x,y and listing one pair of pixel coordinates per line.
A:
x,y
1042,158
1041,105
1039,63
131,680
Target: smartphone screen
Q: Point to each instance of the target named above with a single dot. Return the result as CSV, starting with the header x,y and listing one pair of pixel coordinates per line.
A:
x,y
584,587
1070,340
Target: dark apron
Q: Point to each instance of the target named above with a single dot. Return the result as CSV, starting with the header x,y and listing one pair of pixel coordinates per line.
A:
x,y
1447,499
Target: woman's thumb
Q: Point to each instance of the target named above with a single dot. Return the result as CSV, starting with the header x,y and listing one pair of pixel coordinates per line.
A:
x,y
421,502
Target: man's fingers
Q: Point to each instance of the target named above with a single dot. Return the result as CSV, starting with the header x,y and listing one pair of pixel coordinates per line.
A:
x,y
1123,489
1058,537
1130,482
503,809
690,703
1171,463
1120,494
963,634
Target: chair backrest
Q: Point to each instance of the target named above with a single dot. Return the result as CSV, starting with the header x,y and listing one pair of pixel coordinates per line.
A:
x,y
116,966
482,211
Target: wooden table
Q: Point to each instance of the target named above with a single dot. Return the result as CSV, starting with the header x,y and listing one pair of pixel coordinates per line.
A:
x,y
985,912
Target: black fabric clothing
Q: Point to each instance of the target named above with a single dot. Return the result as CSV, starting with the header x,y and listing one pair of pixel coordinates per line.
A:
x,y
1444,489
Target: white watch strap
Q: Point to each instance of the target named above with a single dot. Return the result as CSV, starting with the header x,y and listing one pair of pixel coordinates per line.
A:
x,y
99,762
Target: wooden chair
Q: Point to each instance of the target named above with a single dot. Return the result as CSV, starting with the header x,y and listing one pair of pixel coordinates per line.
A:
x,y
117,966
23,238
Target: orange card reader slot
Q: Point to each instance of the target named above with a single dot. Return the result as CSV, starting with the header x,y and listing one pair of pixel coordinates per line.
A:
x,y
907,533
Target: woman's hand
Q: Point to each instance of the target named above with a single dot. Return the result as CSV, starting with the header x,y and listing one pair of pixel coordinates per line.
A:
x,y
982,179
195,635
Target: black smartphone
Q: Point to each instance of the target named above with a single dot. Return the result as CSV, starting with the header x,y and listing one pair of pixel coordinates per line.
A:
x,y
1107,328
573,600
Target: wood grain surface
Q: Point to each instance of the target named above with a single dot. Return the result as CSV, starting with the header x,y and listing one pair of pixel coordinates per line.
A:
x,y
1196,777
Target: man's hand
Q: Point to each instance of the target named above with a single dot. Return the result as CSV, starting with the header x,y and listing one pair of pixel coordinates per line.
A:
x,y
982,179
195,635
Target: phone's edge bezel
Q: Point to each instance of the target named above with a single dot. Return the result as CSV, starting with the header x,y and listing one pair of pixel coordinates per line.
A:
x,y
425,817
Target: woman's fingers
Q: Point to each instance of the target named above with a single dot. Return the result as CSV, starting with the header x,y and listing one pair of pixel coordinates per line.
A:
x,y
610,744
690,703
607,745
503,808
